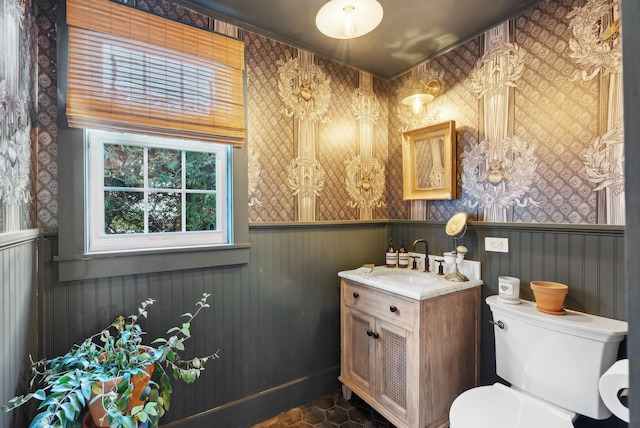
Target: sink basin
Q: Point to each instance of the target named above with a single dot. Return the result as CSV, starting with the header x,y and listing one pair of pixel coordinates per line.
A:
x,y
397,274
404,277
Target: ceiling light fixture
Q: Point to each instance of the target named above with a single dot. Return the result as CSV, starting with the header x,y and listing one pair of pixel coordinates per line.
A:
x,y
348,19
421,93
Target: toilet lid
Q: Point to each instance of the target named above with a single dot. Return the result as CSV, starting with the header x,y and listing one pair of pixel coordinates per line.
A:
x,y
498,406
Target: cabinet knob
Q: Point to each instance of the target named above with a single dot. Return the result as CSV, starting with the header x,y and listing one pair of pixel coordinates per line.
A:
x,y
355,294
393,308
369,333
376,335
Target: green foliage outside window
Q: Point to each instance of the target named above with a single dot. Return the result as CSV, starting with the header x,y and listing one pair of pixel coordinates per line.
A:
x,y
124,179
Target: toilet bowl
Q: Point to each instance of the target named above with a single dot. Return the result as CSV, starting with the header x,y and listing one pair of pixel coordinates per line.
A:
x,y
498,406
542,357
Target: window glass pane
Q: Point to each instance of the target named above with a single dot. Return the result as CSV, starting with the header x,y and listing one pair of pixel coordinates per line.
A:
x,y
165,169
123,212
123,166
201,171
165,212
201,211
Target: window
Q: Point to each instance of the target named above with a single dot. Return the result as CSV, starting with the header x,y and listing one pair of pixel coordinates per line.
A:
x,y
151,192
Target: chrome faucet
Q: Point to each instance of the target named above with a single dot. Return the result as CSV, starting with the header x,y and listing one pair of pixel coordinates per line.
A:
x,y
426,252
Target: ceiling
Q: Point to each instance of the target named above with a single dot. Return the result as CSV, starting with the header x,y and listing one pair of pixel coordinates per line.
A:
x,y
411,31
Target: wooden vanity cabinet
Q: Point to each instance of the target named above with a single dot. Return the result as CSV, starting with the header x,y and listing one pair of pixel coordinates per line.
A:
x,y
409,359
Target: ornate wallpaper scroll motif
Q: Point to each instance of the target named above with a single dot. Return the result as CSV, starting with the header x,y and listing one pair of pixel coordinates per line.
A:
x,y
306,176
594,48
254,170
14,149
505,183
303,97
365,181
305,93
600,170
14,118
498,172
365,106
365,178
498,69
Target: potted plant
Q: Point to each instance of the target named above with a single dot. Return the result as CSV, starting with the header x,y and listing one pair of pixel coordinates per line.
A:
x,y
114,374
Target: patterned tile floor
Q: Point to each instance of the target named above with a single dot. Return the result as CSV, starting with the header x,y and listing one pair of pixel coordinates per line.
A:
x,y
329,411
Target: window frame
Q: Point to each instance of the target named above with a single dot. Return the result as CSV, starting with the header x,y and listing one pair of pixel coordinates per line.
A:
x,y
75,264
97,241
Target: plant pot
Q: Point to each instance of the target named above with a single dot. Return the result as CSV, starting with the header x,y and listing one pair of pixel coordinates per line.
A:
x,y
87,421
549,296
139,383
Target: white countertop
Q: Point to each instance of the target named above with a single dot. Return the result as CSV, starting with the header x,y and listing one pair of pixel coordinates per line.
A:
x,y
407,282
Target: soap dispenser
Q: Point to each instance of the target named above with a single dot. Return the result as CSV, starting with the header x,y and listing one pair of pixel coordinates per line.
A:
x,y
403,257
391,256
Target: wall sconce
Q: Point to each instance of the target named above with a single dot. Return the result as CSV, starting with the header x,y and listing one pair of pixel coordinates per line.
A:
x,y
348,19
420,93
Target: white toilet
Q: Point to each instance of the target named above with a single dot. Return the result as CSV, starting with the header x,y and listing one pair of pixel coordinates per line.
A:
x,y
553,362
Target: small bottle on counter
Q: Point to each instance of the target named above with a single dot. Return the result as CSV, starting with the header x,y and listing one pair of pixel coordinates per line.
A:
x,y
391,256
403,256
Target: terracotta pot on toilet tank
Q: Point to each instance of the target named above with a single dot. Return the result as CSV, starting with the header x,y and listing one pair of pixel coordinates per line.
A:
x,y
549,296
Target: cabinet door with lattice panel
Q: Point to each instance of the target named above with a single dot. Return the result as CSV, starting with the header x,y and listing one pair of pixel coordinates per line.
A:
x,y
394,375
358,350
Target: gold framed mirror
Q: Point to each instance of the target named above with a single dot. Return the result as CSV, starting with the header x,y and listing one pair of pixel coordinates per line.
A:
x,y
429,162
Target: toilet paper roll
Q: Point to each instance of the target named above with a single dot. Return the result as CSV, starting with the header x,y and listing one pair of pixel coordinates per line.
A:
x,y
611,383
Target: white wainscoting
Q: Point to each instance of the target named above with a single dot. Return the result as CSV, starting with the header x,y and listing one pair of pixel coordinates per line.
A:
x,y
18,315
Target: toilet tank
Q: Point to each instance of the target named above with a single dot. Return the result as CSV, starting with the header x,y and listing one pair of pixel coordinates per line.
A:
x,y
557,358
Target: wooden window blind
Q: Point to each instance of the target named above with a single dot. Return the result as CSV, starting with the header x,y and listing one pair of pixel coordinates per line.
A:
x,y
131,71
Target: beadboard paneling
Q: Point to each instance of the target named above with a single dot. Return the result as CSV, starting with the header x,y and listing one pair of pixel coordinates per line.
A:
x,y
275,320
590,259
18,284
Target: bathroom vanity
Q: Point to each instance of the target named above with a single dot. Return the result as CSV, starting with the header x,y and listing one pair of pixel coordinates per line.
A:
x,y
409,342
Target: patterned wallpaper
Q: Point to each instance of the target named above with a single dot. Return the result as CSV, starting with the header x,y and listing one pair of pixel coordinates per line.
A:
x,y
17,114
557,115
337,142
270,141
564,103
47,184
558,110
